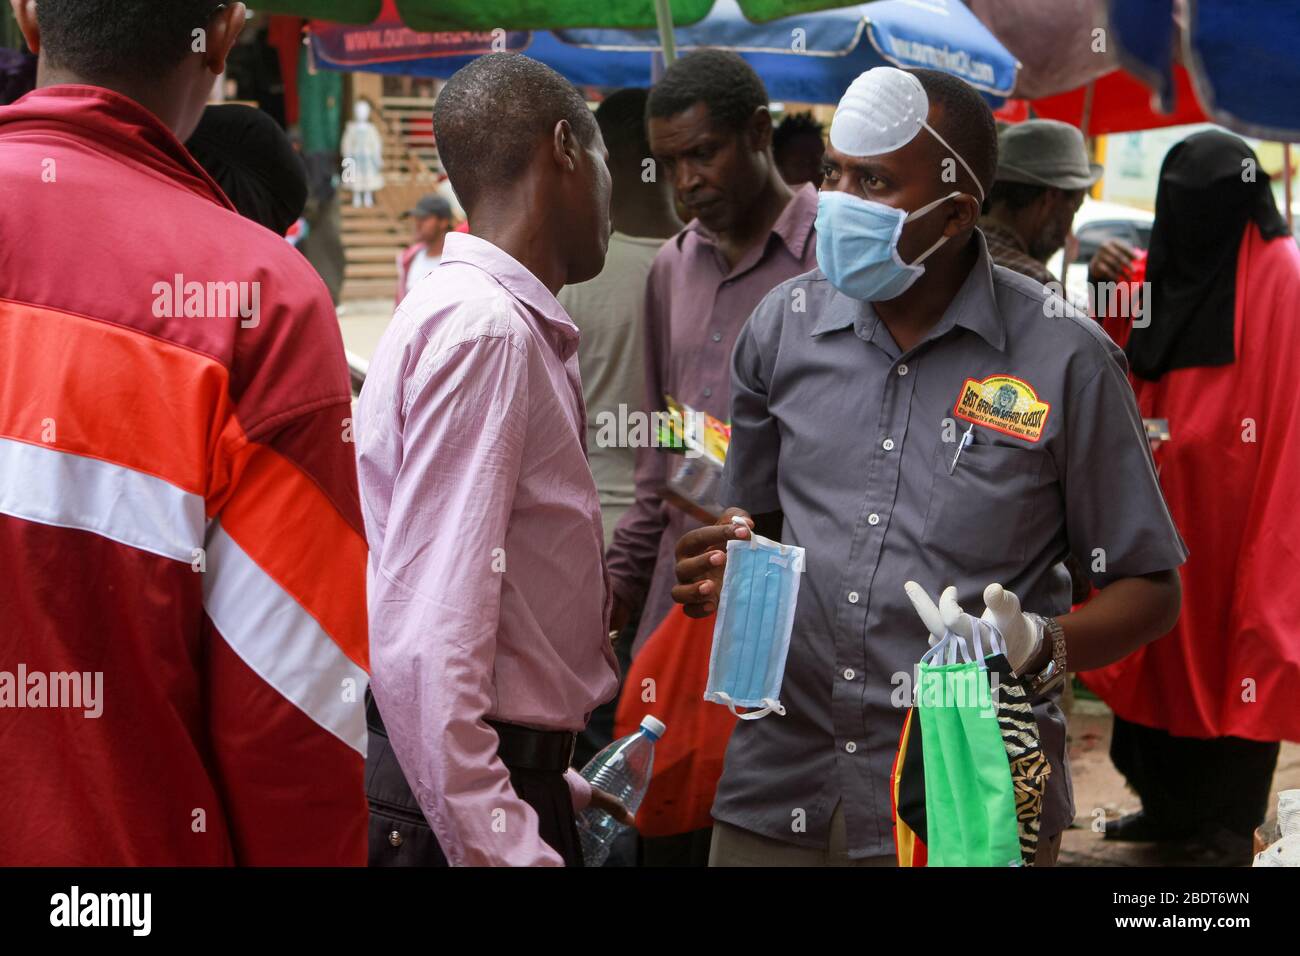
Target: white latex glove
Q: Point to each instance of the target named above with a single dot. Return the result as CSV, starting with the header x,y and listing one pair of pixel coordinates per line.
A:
x,y
1020,632
1002,609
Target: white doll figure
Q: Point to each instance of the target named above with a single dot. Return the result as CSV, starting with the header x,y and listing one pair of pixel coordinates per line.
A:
x,y
363,156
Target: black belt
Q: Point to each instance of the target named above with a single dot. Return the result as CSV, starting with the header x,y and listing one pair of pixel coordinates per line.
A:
x,y
523,748
520,748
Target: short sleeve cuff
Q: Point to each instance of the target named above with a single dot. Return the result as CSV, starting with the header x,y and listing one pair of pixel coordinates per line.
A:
x,y
1168,556
755,498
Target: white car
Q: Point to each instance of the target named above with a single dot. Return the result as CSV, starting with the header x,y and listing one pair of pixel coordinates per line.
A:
x,y
1094,223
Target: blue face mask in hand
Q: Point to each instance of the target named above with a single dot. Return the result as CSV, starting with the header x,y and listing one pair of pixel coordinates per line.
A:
x,y
755,618
857,245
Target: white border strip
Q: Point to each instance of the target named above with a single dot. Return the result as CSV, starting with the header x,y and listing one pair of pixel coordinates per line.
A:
x,y
283,644
59,488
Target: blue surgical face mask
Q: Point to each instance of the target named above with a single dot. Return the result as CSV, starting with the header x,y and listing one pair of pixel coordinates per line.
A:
x,y
857,245
751,636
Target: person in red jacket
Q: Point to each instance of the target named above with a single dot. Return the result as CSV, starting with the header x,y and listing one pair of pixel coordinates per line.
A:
x,y
183,652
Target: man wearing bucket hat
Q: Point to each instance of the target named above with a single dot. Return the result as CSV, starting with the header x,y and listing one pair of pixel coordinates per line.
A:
x,y
1043,175
920,420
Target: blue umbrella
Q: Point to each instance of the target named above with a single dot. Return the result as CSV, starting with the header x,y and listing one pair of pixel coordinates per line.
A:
x,y
814,57
1241,57
810,58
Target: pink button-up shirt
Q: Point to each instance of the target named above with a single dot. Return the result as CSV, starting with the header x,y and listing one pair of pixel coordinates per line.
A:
x,y
487,588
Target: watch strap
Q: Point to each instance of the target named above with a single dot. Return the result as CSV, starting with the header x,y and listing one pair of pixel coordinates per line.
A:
x,y
1052,675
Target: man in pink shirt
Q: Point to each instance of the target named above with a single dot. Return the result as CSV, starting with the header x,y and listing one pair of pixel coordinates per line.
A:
x,y
489,634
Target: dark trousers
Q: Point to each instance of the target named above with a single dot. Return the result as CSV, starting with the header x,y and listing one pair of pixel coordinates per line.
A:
x,y
399,833
1189,785
680,849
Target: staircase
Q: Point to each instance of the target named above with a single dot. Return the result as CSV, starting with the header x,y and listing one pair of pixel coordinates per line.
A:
x,y
373,238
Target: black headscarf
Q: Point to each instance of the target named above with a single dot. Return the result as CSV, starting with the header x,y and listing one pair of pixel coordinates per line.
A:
x,y
1210,188
253,162
17,75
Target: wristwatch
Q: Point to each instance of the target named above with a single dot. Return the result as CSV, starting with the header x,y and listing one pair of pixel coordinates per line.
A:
x,y
1053,675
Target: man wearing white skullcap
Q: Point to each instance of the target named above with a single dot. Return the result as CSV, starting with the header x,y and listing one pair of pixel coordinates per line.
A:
x,y
922,422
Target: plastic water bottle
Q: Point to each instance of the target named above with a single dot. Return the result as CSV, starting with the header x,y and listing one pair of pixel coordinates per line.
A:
x,y
623,770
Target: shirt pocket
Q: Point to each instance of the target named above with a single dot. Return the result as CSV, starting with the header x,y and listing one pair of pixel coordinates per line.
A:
x,y
983,512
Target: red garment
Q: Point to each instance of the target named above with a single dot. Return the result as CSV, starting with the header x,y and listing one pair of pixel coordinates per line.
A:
x,y
907,787
404,260
284,34
178,513
1231,666
672,670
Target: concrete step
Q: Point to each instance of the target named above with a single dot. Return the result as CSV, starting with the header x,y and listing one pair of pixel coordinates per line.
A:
x,y
369,289
354,218
366,217
373,253
375,237
397,176
374,227
371,270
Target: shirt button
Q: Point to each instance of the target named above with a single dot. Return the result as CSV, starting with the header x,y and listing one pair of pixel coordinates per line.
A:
x,y
853,597
902,370
887,444
873,519
851,747
708,392
717,336
395,838
849,674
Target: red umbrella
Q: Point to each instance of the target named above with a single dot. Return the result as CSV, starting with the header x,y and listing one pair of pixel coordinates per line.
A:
x,y
1119,103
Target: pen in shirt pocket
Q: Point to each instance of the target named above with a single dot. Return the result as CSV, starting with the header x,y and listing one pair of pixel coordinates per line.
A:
x,y
966,439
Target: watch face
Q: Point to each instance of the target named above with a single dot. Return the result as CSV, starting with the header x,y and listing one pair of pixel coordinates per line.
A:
x,y
1047,679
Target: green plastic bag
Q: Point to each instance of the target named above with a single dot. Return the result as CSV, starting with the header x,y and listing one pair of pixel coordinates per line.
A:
x,y
970,804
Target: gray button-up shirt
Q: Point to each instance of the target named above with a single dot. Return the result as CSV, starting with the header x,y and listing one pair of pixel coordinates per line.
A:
x,y
853,440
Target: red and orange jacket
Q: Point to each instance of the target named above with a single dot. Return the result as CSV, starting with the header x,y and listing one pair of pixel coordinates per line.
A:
x,y
179,517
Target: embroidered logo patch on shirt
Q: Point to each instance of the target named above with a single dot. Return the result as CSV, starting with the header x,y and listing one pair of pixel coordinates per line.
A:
x,y
1004,404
